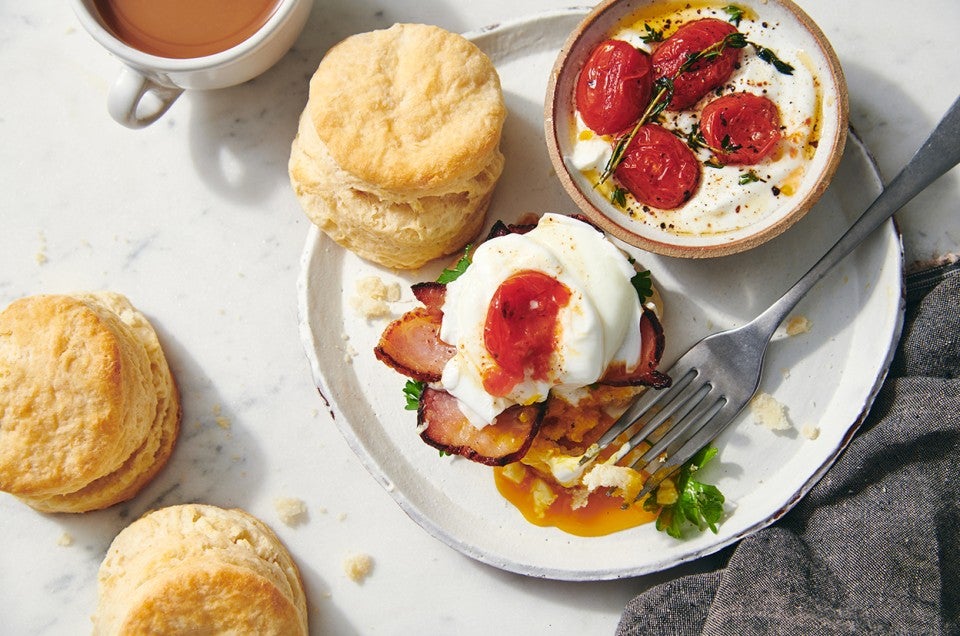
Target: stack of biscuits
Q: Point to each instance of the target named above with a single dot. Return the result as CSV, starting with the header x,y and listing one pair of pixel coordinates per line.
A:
x,y
397,151
89,410
199,569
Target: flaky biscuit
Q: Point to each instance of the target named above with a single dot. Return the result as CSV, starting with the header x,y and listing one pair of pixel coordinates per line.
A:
x,y
145,462
76,395
409,107
397,151
379,225
161,550
208,597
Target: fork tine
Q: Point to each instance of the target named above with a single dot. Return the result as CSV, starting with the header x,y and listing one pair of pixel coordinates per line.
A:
x,y
686,424
677,409
644,404
714,421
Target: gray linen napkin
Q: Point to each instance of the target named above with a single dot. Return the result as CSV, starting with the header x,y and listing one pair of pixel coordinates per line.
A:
x,y
874,548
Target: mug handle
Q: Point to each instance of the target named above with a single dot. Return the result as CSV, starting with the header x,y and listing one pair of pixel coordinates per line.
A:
x,y
129,91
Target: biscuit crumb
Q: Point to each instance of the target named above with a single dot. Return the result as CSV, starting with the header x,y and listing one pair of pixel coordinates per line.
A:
x,y
292,511
810,431
42,252
769,412
221,421
372,296
623,478
358,567
798,325
65,540
349,354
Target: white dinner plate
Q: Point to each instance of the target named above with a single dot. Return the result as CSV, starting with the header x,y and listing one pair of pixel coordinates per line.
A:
x,y
826,378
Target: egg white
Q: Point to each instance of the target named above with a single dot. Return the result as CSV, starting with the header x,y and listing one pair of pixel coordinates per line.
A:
x,y
599,325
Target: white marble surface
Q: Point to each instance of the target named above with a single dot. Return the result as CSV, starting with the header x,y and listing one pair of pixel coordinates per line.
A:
x,y
194,220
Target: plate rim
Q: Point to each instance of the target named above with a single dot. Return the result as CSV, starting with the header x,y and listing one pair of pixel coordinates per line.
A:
x,y
315,238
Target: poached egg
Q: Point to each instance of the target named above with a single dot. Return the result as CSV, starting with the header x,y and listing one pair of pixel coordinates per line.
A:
x,y
589,314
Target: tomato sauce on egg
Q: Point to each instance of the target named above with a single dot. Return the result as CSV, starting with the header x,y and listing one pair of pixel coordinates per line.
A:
x,y
520,330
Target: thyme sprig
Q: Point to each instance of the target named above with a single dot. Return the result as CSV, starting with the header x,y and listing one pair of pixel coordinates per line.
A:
x,y
768,56
663,93
651,35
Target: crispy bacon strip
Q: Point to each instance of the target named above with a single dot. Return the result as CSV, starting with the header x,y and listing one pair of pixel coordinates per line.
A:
x,y
646,373
505,440
431,294
411,345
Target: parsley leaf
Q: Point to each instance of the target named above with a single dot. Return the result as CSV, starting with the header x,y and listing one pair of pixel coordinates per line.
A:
x,y
412,391
642,282
697,503
453,273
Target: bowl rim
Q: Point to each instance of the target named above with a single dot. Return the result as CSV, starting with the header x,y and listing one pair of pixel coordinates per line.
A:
x,y
834,85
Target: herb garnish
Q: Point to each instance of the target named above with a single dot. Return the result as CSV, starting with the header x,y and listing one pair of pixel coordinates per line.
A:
x,y
619,197
695,139
727,145
749,177
663,93
735,13
770,57
663,90
696,503
412,390
642,282
453,273
651,34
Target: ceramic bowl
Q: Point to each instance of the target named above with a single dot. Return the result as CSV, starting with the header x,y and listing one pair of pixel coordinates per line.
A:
x,y
734,208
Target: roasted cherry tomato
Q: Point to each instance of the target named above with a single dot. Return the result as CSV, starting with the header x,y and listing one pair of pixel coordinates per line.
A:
x,y
614,87
741,128
705,75
520,331
659,169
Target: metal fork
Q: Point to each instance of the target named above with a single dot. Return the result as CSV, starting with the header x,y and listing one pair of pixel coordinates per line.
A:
x,y
719,375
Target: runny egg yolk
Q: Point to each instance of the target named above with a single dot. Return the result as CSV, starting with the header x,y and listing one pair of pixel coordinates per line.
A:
x,y
520,331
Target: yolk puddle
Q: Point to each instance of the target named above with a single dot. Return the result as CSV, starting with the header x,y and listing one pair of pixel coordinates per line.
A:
x,y
602,514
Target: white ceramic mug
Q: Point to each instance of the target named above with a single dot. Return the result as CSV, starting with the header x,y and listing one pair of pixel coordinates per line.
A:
x,y
148,84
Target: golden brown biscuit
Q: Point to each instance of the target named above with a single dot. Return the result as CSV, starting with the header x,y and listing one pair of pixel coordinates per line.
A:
x,y
209,598
379,226
89,411
162,572
408,108
397,151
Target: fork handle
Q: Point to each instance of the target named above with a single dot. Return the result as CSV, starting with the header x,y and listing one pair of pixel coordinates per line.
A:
x,y
939,153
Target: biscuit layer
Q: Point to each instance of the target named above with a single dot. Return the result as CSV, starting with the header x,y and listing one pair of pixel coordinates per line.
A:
x,y
379,225
182,553
76,395
145,462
